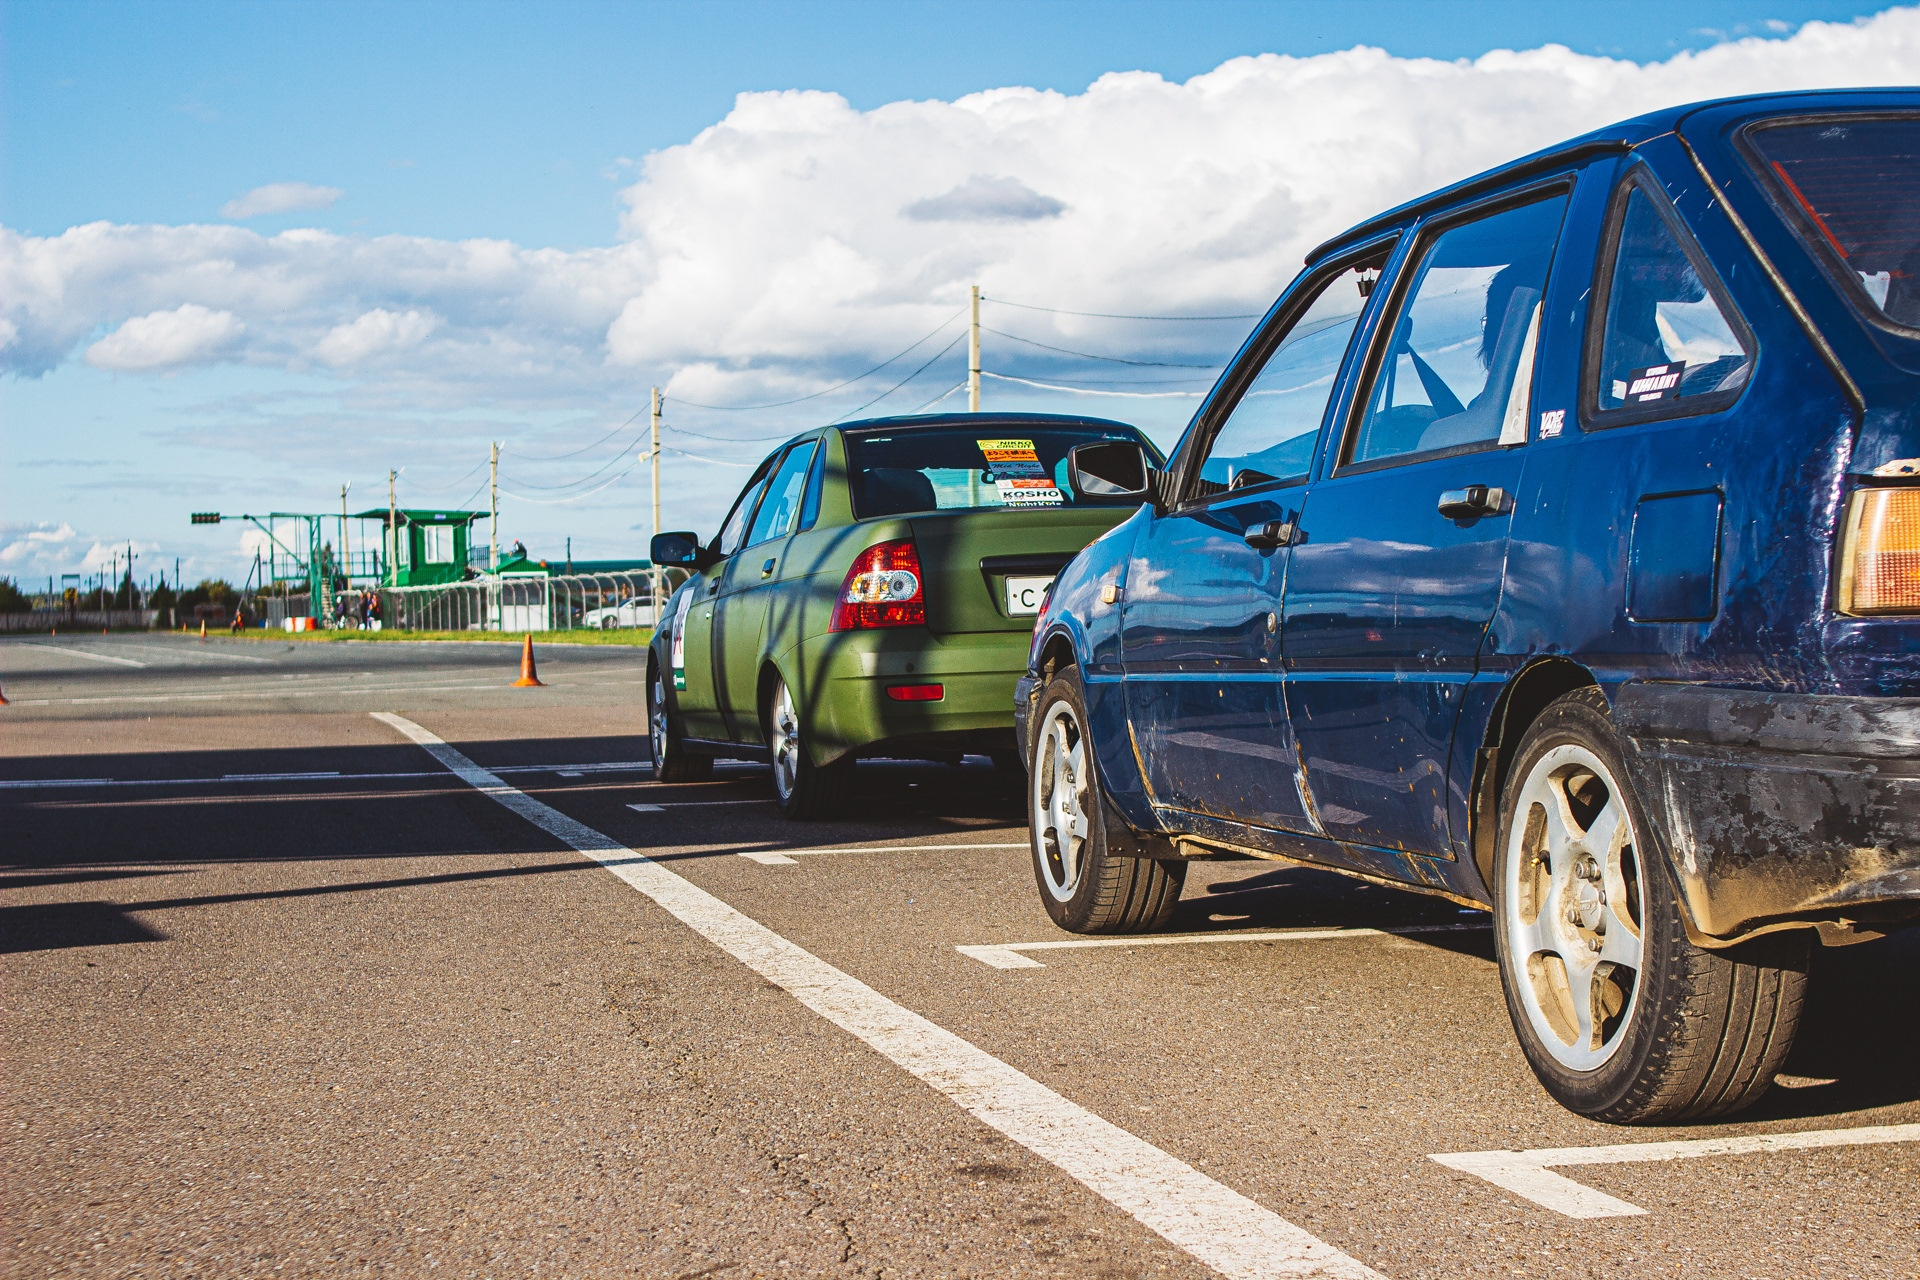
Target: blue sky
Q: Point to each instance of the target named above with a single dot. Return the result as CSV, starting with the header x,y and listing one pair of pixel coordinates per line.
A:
x,y
532,125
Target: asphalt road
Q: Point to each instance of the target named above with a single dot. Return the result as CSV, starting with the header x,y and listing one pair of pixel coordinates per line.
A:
x,y
286,994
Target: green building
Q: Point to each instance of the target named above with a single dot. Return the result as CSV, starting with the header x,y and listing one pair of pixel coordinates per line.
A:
x,y
433,545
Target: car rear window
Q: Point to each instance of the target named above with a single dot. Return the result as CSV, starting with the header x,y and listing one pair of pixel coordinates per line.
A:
x,y
996,464
1854,189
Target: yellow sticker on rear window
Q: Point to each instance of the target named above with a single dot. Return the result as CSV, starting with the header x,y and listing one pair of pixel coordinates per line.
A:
x,y
1008,450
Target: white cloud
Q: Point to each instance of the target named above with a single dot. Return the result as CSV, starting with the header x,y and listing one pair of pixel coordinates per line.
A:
x,y
378,332
280,197
789,245
30,553
189,334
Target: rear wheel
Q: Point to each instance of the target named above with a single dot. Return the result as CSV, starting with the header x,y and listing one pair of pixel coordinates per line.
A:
x,y
672,762
1082,887
1621,1017
606,624
801,788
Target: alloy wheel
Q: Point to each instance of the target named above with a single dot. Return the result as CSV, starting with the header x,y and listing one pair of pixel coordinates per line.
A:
x,y
1061,796
784,742
657,720
1572,908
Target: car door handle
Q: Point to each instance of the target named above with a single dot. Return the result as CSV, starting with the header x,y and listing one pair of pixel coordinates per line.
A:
x,y
766,569
1274,533
1474,500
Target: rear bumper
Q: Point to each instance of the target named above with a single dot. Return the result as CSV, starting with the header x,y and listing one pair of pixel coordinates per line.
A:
x,y
1780,807
854,669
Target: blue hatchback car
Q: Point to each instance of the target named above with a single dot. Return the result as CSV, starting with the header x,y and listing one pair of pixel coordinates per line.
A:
x,y
1553,546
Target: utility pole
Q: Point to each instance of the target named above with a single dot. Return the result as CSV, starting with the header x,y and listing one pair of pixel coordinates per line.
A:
x,y
973,356
493,520
393,535
653,588
346,547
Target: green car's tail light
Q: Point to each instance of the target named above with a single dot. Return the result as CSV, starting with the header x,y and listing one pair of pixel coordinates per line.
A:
x,y
882,589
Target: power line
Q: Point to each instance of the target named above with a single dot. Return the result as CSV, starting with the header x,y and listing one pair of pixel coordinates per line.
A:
x,y
1089,391
781,404
595,445
550,502
904,381
958,386
1088,355
1108,315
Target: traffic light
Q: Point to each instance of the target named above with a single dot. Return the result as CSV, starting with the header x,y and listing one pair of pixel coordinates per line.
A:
x,y
206,517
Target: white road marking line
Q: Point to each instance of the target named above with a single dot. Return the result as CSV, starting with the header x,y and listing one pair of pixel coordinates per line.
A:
x,y
226,695
647,808
1528,1174
785,857
278,777
1006,955
1217,1225
27,783
216,655
83,653
567,773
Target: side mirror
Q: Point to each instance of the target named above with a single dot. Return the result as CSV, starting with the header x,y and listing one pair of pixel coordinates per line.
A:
x,y
1110,469
678,550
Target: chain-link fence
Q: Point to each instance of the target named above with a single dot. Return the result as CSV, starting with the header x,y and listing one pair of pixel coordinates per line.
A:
x,y
530,602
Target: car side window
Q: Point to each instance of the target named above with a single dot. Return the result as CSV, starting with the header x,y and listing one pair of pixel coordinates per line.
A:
x,y
734,528
810,505
1270,433
782,503
1667,338
1457,366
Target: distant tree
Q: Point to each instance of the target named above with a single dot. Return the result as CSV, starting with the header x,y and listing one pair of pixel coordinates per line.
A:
x,y
11,599
208,591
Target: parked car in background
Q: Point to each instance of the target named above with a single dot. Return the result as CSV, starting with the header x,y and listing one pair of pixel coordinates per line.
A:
x,y
1553,545
870,592
631,612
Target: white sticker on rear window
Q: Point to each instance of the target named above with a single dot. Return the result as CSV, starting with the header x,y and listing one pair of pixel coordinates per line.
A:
x,y
1028,493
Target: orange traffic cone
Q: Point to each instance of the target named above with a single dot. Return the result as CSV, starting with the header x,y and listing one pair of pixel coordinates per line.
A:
x,y
203,628
3,700
528,677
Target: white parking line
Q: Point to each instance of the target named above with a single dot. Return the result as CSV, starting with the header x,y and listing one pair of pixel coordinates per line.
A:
x,y
83,653
221,654
226,695
624,766
785,857
1006,955
1217,1225
1529,1175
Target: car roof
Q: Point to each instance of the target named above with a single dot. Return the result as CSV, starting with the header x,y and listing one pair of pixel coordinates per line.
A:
x,y
1618,137
912,421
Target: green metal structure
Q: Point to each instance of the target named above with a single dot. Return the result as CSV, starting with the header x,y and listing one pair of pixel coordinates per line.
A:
x,y
432,549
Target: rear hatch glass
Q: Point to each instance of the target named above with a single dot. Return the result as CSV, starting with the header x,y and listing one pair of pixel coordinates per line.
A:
x,y
901,471
1851,188
993,516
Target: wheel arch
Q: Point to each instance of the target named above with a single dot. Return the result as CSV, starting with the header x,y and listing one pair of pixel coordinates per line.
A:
x,y
1520,703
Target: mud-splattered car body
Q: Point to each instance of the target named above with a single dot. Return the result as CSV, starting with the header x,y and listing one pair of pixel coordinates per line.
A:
x,y
1328,663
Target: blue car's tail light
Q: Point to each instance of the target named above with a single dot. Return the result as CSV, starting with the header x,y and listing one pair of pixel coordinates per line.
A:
x,y
1880,560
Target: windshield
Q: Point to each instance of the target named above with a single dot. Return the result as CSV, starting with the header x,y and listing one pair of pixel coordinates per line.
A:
x,y
1854,186
996,464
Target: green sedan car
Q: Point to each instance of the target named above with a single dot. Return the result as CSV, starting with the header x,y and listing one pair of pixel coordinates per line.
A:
x,y
871,593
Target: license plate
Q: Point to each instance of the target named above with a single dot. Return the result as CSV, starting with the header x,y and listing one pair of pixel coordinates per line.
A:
x,y
1025,595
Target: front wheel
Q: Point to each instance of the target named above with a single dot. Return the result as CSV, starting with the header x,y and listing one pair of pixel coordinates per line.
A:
x,y
801,788
1621,1017
1082,887
606,624
672,762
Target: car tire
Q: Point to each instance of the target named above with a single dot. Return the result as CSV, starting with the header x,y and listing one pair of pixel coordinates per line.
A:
x,y
672,762
1642,1027
802,789
606,624
1083,888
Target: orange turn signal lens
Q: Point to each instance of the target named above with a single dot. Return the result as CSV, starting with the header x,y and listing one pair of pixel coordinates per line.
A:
x,y
1880,568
